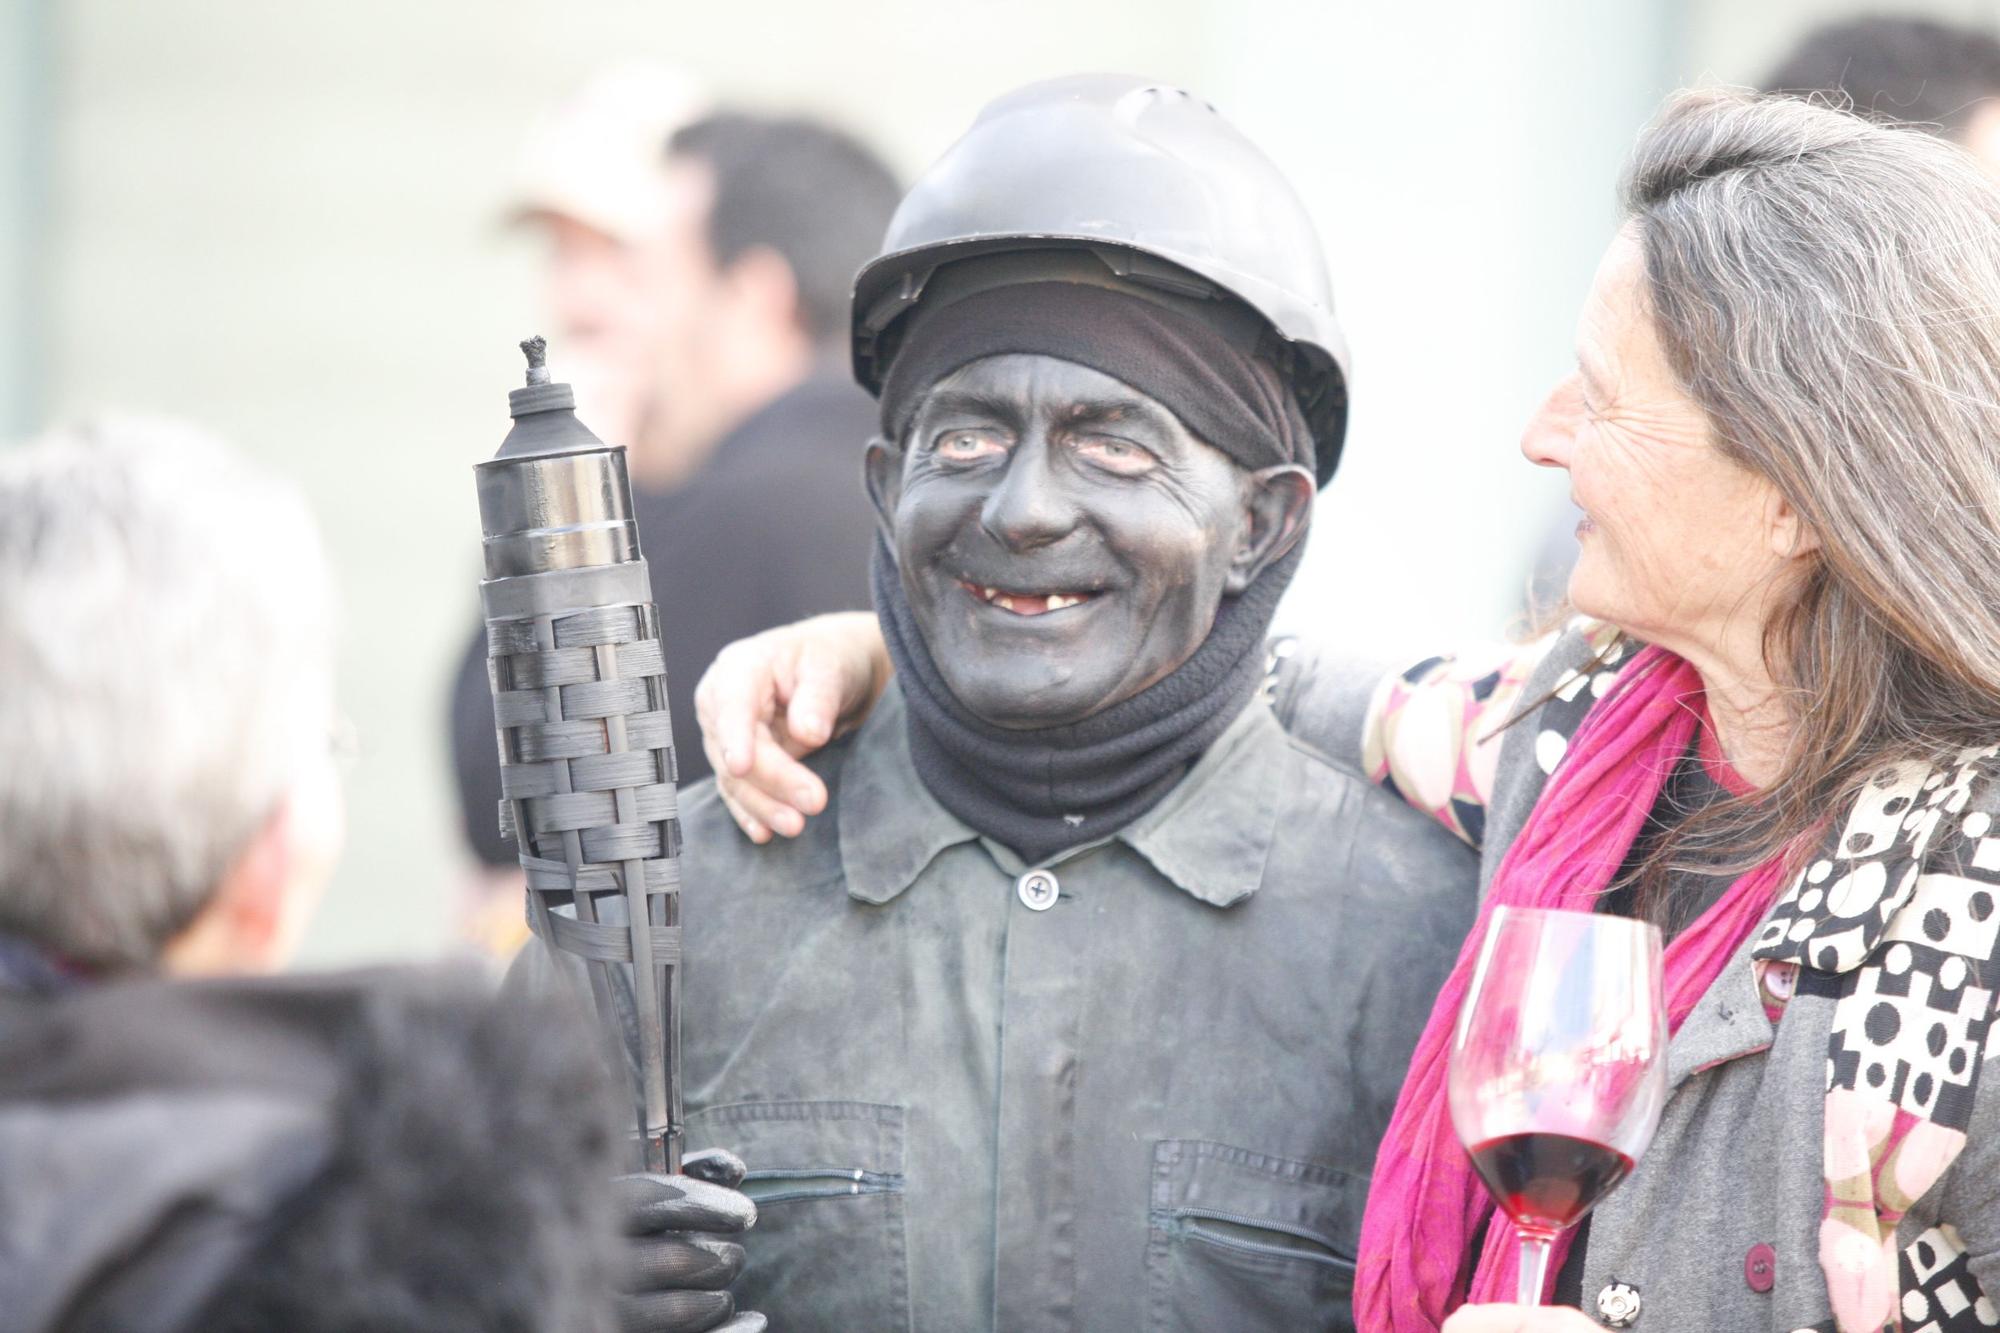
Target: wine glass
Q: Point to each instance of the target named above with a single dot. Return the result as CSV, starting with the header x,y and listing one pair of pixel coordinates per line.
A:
x,y
1558,1067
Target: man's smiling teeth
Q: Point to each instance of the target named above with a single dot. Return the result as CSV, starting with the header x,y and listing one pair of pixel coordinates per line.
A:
x,y
1025,604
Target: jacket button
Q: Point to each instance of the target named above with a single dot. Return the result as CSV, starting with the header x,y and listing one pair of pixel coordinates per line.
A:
x,y
1037,890
1760,1267
1618,1305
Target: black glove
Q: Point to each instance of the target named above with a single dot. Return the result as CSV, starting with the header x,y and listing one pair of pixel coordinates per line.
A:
x,y
682,1257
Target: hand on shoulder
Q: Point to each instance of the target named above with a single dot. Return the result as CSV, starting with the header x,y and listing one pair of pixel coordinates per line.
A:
x,y
771,699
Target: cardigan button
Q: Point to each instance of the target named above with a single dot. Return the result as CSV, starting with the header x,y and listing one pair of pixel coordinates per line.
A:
x,y
1618,1305
1038,890
1760,1267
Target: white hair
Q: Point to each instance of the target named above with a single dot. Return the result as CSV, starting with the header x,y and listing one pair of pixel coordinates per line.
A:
x,y
166,626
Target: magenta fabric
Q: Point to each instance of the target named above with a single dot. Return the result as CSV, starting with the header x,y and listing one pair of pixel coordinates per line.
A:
x,y
1425,1203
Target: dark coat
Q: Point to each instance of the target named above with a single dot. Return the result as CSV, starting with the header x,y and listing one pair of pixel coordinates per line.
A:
x,y
362,1150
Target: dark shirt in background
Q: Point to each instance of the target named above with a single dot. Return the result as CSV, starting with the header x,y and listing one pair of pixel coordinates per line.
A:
x,y
775,527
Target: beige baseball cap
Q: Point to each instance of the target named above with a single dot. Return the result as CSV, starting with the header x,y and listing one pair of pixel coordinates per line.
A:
x,y
598,155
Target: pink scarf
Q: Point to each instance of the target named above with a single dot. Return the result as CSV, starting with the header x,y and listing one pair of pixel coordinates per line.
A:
x,y
1425,1204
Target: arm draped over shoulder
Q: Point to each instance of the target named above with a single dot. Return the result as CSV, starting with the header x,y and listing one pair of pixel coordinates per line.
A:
x,y
1429,733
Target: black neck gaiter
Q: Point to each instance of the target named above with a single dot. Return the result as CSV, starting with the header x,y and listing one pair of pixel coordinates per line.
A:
x,y
1042,790
1045,789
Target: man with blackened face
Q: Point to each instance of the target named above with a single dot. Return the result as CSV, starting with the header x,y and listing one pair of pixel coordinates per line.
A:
x,y
1065,540
1053,1021
1092,493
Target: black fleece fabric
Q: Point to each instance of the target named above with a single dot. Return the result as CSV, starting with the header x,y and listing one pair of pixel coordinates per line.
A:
x,y
1044,790
163,1143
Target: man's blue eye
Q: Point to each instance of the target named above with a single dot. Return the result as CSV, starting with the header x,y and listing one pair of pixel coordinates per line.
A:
x,y
1122,455
967,444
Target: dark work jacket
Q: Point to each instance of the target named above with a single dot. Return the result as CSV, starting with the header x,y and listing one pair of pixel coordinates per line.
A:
x,y
1152,1104
774,527
147,1134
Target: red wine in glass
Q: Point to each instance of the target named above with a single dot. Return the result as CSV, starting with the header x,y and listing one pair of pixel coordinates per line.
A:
x,y
1558,1067
1548,1181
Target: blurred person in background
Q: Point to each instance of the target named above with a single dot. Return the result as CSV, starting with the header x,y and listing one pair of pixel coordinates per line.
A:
x,y
176,1129
1942,78
593,184
312,1154
745,462
169,800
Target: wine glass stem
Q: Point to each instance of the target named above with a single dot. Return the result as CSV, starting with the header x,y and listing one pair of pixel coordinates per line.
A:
x,y
1534,1265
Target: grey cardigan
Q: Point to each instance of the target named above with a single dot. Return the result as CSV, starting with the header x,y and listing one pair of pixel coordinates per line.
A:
x,y
1858,1014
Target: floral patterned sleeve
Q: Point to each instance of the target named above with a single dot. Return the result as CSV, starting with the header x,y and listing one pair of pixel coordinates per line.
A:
x,y
1432,733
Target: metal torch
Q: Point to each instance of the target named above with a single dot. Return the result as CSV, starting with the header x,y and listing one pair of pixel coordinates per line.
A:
x,y
587,767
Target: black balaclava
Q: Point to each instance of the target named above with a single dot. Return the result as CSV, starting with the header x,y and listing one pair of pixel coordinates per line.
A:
x,y
1044,789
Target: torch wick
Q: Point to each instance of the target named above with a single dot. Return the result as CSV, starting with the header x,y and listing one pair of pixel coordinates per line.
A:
x,y
537,349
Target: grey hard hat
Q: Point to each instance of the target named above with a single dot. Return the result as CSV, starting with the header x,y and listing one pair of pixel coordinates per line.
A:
x,y
1149,184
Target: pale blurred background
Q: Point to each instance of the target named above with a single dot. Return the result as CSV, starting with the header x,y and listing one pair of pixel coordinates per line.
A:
x,y
284,221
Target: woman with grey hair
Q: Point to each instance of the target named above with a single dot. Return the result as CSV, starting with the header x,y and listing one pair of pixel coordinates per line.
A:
x,y
1777,740
1773,728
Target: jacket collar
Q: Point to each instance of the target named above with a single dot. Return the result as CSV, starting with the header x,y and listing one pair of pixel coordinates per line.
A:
x,y
1210,836
1728,1021
1867,864
891,827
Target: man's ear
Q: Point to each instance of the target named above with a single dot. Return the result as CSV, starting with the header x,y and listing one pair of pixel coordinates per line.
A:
x,y
882,470
1982,134
762,282
1277,504
240,929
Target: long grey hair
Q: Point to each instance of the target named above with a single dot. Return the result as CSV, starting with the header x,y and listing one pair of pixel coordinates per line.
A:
x,y
1828,290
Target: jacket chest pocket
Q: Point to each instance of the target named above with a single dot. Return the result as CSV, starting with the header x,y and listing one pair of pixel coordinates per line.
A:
x,y
828,1249
1242,1240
